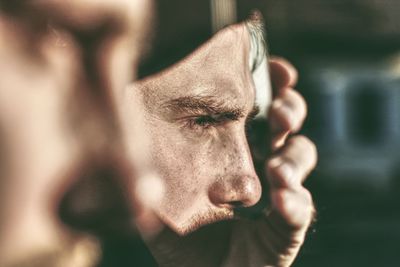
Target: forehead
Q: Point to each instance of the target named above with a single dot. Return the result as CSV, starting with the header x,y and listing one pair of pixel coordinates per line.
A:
x,y
220,67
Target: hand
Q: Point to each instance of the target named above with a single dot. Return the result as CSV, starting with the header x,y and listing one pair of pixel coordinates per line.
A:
x,y
58,123
275,237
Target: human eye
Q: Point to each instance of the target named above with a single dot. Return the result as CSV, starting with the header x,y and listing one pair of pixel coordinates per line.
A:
x,y
210,121
203,122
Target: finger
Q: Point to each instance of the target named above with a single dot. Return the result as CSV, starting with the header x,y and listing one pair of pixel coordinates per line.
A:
x,y
292,209
288,112
148,192
290,167
283,74
278,140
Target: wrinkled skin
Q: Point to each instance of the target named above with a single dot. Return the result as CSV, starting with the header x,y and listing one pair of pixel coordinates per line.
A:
x,y
195,114
58,121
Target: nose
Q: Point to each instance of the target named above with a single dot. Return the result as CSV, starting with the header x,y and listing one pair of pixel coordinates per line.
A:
x,y
238,185
235,191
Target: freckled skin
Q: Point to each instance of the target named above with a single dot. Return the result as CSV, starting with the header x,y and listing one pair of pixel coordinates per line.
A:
x,y
206,171
195,113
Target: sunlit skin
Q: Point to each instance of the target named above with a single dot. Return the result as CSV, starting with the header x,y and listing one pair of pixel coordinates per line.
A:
x,y
196,112
58,121
198,140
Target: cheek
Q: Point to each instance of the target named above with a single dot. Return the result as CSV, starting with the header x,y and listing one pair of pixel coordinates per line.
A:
x,y
191,163
183,165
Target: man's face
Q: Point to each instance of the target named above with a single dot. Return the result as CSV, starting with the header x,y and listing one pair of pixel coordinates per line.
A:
x,y
54,129
195,114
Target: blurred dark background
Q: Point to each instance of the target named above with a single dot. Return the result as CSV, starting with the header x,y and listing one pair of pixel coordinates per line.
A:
x,y
347,53
348,56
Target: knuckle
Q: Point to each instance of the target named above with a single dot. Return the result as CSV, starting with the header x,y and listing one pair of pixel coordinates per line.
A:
x,y
300,104
308,202
295,102
304,143
310,149
308,198
295,99
303,152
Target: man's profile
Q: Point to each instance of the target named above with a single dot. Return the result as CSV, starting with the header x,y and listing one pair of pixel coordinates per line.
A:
x,y
196,114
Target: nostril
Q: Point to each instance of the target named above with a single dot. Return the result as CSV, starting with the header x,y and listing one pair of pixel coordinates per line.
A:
x,y
236,204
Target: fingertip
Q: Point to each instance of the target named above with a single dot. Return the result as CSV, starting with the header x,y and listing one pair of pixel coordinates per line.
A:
x,y
149,192
283,73
284,202
295,207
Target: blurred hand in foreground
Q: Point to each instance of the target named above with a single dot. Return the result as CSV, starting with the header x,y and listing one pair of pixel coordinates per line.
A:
x,y
66,174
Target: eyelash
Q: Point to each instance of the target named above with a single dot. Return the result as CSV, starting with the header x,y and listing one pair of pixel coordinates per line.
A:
x,y
209,122
203,122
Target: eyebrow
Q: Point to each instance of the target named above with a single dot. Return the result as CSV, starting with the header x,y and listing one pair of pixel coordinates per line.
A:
x,y
253,113
203,104
209,105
